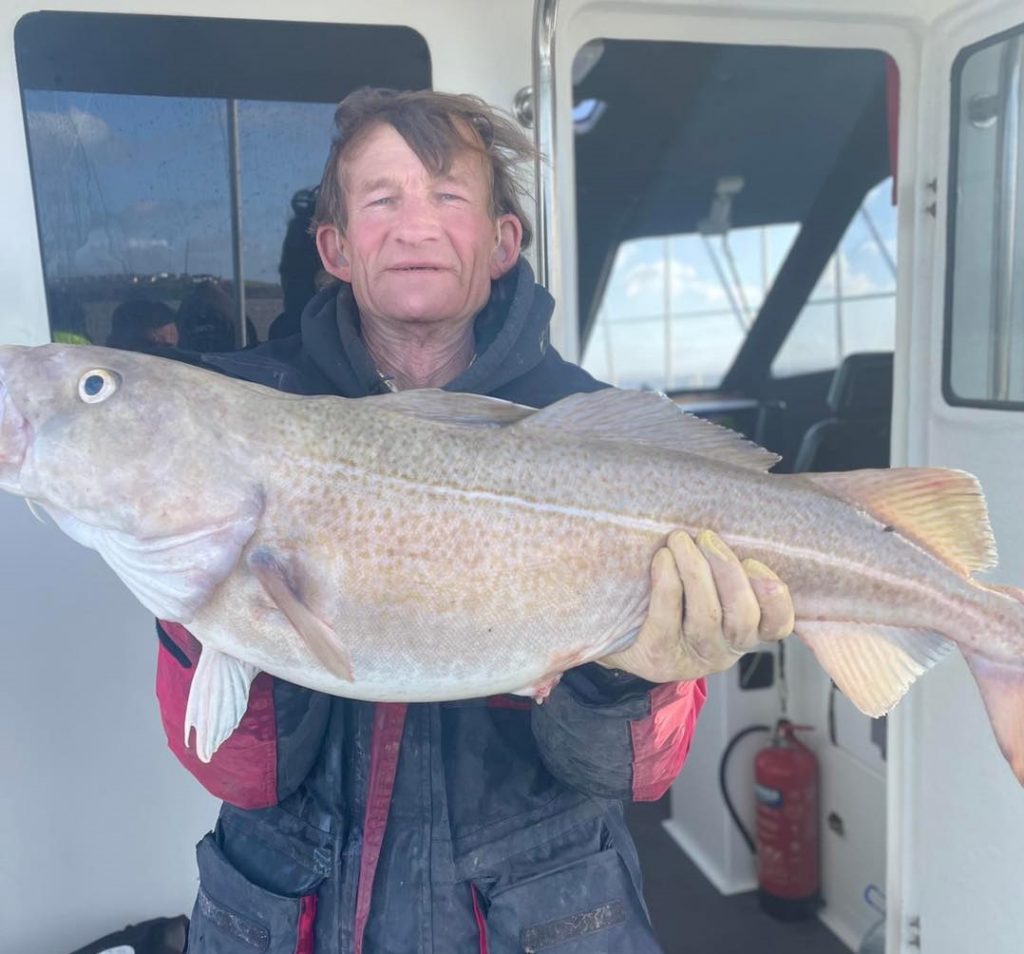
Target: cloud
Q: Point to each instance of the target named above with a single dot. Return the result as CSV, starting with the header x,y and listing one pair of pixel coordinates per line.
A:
x,y
684,282
67,129
147,244
649,278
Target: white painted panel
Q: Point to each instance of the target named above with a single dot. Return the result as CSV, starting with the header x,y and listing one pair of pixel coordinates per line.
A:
x,y
97,819
956,811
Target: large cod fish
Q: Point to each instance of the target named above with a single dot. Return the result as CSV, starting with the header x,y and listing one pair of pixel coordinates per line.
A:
x,y
427,545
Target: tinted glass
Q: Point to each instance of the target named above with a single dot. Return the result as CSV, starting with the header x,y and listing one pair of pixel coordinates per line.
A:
x,y
173,156
984,359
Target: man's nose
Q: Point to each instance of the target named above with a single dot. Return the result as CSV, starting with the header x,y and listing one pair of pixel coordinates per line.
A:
x,y
418,221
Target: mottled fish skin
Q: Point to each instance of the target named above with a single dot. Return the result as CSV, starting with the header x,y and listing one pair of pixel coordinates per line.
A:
x,y
451,559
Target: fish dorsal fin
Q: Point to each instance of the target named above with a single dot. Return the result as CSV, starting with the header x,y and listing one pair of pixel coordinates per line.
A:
x,y
874,666
450,407
648,418
942,511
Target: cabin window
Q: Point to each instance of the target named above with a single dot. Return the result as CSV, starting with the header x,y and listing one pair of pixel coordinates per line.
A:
x,y
676,309
984,345
175,162
713,194
853,306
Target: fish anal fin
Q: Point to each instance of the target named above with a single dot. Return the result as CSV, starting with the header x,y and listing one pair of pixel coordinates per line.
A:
x,y
1002,689
322,641
874,666
217,700
647,418
942,511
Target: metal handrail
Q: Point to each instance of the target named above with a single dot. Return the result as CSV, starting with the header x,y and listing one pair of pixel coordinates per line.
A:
x,y
544,129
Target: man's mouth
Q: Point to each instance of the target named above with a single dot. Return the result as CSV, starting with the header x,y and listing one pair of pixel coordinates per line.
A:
x,y
417,268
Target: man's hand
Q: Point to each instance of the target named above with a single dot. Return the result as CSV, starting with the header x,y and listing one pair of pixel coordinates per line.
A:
x,y
707,609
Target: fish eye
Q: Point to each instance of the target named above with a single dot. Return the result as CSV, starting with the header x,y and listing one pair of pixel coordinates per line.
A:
x,y
97,385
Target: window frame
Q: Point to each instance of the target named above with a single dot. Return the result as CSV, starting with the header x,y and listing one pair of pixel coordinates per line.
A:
x,y
949,395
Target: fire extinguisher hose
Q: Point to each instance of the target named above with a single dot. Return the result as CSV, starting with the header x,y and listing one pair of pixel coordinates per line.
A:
x,y
723,765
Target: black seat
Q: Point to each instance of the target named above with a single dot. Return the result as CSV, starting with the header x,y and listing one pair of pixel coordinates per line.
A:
x,y
857,432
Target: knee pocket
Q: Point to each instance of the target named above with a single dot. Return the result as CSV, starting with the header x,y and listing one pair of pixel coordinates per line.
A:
x,y
585,907
258,882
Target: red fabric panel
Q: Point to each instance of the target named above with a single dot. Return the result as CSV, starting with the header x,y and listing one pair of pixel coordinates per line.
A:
x,y
481,924
307,917
509,702
388,722
892,115
243,771
662,740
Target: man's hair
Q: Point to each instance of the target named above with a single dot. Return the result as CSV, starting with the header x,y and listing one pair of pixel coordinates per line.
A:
x,y
437,127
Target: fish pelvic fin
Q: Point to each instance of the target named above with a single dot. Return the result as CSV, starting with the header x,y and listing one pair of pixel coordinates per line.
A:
x,y
874,666
647,418
217,700
942,511
1002,689
325,644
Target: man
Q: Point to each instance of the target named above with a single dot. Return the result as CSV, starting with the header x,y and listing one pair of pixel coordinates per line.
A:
x,y
487,825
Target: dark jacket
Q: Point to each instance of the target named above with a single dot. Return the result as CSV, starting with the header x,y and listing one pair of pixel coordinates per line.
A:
x,y
489,825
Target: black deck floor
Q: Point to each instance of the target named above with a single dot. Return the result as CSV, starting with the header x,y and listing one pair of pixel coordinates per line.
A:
x,y
691,917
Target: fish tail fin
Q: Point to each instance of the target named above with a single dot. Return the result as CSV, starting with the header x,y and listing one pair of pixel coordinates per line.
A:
x,y
1002,688
942,511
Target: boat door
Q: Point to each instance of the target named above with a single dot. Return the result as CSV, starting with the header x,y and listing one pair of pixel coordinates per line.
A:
x,y
956,814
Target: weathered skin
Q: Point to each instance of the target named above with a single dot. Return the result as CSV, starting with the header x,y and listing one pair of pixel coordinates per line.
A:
x,y
449,560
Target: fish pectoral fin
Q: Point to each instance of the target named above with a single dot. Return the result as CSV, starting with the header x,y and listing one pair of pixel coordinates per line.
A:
x,y
942,511
322,641
647,419
1002,688
874,666
217,700
174,575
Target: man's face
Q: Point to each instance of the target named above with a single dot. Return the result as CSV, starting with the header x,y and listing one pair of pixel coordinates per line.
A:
x,y
417,248
165,335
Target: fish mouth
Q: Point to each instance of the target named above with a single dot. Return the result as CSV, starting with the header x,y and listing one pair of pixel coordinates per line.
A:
x,y
15,431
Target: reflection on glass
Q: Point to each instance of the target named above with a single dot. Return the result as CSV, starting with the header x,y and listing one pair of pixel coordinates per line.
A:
x,y
133,194
985,346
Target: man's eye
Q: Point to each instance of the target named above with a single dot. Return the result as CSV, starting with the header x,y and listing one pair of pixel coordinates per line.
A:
x,y
383,200
450,197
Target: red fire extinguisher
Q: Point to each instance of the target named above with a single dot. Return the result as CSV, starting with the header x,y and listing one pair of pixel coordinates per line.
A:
x,y
786,787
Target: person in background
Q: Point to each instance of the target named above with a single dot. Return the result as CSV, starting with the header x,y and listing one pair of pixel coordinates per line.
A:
x,y
141,324
67,318
482,825
206,317
299,267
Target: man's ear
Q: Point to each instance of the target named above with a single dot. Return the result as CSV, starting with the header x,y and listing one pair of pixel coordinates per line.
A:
x,y
330,243
509,241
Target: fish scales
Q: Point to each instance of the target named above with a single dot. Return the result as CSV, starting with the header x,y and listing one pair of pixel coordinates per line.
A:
x,y
426,545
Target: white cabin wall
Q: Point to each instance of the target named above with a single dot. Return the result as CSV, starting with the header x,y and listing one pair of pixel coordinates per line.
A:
x,y
956,814
98,821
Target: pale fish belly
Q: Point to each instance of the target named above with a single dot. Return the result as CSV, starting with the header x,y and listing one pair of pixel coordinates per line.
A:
x,y
439,600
